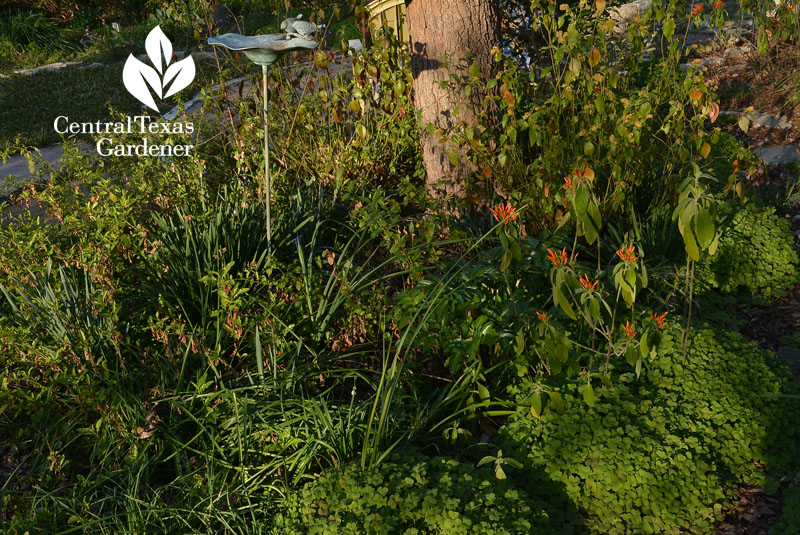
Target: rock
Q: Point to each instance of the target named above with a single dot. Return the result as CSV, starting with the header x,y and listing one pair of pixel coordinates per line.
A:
x,y
764,120
709,61
736,52
626,13
51,67
781,154
770,121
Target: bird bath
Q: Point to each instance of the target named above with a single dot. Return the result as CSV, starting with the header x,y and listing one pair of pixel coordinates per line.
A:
x,y
265,50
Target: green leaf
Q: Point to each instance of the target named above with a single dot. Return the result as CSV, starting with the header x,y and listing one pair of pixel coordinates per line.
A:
x,y
483,392
499,473
506,261
744,122
606,380
630,355
475,70
519,347
536,405
581,201
259,354
588,148
594,309
555,365
712,249
592,222
669,28
704,223
690,245
516,252
562,351
644,347
556,401
453,157
588,395
502,158
486,460
564,303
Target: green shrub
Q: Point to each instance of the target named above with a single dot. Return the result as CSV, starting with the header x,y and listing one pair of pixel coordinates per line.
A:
x,y
790,518
755,254
658,454
23,30
411,496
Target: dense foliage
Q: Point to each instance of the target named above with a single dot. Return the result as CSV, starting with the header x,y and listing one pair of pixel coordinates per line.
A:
x,y
412,495
756,254
166,368
659,454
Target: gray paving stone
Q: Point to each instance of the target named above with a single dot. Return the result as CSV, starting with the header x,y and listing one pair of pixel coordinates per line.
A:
x,y
782,154
15,174
764,120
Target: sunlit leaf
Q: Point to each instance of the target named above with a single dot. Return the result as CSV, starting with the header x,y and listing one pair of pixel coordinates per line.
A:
x,y
453,157
556,401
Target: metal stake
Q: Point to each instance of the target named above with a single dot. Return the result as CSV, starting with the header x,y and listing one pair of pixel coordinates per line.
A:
x,y
264,70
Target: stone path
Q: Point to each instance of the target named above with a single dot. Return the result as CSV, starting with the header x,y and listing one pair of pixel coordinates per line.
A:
x,y
180,54
16,173
779,155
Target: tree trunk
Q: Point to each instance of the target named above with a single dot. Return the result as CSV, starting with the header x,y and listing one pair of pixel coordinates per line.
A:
x,y
465,31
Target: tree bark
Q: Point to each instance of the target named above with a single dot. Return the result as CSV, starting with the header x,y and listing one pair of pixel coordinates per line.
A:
x,y
448,36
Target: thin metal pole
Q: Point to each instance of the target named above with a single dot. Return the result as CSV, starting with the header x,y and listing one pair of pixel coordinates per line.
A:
x,y
266,157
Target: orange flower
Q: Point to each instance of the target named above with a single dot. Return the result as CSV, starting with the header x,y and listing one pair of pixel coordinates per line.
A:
x,y
504,212
554,258
626,253
718,4
696,10
579,174
543,316
659,320
628,328
589,285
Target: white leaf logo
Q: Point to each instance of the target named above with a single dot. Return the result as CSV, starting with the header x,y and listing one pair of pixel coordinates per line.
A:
x,y
137,75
